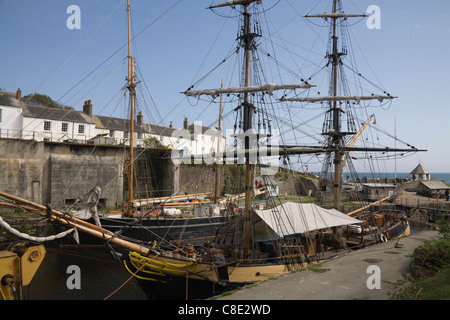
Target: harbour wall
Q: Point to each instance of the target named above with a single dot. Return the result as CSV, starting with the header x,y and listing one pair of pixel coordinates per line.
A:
x,y
60,173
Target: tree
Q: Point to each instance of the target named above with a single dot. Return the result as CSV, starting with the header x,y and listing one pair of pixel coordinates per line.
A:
x,y
43,100
153,143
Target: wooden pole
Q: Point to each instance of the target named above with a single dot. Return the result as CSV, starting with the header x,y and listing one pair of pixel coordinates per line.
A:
x,y
368,206
79,224
131,88
336,121
247,128
219,133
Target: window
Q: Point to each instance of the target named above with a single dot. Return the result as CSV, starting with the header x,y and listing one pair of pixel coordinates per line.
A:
x,y
81,128
64,127
47,125
0,115
111,133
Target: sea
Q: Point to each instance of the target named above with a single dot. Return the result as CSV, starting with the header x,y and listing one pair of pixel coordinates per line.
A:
x,y
402,175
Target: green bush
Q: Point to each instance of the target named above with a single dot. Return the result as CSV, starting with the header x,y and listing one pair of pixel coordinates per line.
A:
x,y
430,270
433,254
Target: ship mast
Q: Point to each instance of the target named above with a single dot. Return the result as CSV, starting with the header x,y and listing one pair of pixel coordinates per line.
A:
x,y
247,38
132,89
336,136
247,42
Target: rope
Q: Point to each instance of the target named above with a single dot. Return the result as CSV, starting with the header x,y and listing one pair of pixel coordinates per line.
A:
x,y
128,280
25,236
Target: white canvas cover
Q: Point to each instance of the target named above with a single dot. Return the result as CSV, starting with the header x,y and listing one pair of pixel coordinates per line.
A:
x,y
90,207
293,218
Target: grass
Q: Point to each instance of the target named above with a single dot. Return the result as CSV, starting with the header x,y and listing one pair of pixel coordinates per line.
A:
x,y
317,267
437,287
430,271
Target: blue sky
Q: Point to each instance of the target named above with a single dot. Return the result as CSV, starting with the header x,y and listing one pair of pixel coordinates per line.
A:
x,y
409,56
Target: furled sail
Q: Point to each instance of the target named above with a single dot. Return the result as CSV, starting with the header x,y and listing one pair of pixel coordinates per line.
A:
x,y
340,98
336,15
269,87
233,3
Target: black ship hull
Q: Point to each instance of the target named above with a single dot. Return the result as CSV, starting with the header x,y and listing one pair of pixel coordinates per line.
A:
x,y
195,230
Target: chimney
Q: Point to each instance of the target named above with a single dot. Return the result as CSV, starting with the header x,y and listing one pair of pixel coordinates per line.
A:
x,y
140,118
186,123
171,125
19,95
87,108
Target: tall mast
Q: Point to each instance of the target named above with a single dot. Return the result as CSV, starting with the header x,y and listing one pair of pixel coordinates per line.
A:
x,y
219,133
336,135
248,110
336,119
247,42
131,87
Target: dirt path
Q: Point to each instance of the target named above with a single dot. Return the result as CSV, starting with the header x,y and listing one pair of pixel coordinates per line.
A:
x,y
346,277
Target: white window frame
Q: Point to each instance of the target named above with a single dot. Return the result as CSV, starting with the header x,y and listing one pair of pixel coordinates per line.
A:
x,y
47,125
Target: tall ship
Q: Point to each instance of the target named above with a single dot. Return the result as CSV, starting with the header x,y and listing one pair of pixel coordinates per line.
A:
x,y
284,235
260,238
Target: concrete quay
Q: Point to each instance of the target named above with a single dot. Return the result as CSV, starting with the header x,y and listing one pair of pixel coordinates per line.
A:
x,y
346,277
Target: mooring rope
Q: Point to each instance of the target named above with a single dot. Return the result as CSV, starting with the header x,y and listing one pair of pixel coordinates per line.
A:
x,y
25,236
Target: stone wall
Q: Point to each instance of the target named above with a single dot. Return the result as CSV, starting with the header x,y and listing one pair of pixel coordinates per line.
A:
x,y
198,178
24,169
60,173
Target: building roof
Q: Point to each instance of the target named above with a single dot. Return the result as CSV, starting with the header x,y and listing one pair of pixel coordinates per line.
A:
x,y
420,169
435,184
38,112
9,99
159,130
110,123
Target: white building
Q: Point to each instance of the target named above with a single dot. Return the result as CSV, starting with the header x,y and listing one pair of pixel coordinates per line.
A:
x,y
420,173
23,121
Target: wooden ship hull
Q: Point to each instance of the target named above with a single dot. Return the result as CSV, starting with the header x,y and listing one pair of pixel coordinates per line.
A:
x,y
388,225
181,277
195,230
239,255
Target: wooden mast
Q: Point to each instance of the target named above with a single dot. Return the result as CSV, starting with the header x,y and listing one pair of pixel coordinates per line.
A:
x,y
336,119
248,110
219,133
131,87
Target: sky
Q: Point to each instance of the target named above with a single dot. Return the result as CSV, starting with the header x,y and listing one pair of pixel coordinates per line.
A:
x,y
178,41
